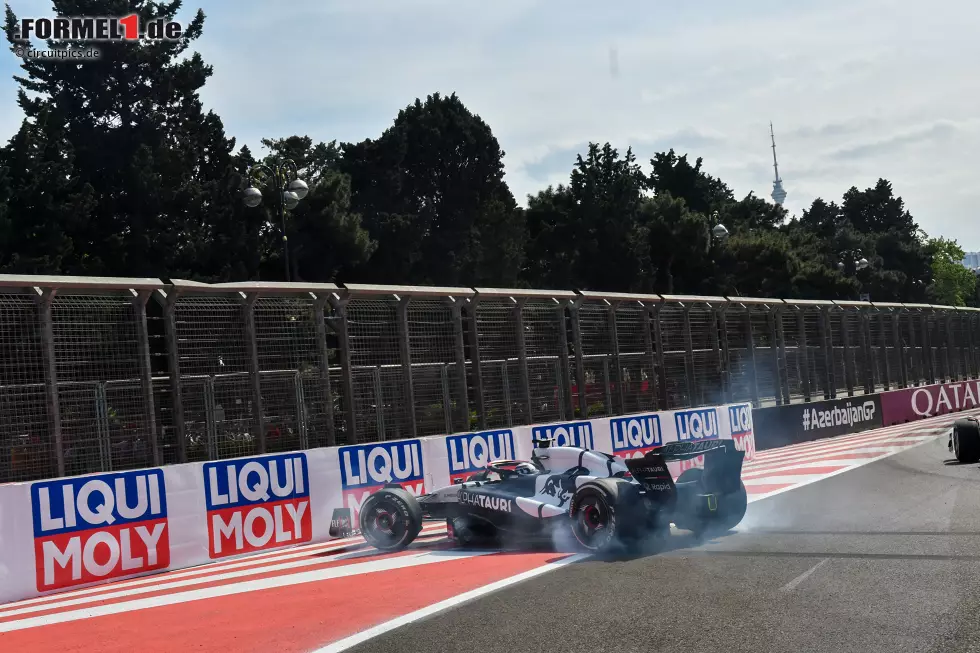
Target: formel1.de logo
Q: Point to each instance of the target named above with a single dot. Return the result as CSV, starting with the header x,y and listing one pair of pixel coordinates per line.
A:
x,y
97,28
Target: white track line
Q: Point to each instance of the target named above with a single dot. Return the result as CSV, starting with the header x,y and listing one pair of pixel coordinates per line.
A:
x,y
188,582
862,463
364,635
238,588
790,586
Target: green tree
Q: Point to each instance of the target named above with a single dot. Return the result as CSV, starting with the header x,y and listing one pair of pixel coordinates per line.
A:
x,y
679,242
160,167
432,193
588,234
42,203
701,192
326,239
952,283
900,269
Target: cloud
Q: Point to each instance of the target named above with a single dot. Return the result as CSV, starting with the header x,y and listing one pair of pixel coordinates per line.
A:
x,y
940,131
856,89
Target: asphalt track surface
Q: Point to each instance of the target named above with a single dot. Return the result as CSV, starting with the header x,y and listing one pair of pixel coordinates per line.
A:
x,y
882,558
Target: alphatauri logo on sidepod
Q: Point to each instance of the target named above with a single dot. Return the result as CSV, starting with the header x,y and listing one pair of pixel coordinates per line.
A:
x,y
93,528
257,503
366,468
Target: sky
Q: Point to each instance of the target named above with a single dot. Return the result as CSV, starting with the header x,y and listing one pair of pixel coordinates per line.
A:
x,y
856,90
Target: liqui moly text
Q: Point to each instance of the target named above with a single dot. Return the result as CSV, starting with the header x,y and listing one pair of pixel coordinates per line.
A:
x,y
257,503
92,528
470,452
634,436
367,468
572,434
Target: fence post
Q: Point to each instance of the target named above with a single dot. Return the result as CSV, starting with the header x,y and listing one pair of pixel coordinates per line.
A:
x,y
963,355
927,348
750,350
885,365
915,358
565,374
459,356
689,376
804,354
253,365
169,302
716,348
972,344
146,372
583,401
726,361
651,355
617,361
323,356
781,339
347,371
45,301
481,410
405,353
524,375
830,389
848,352
864,322
775,350
950,376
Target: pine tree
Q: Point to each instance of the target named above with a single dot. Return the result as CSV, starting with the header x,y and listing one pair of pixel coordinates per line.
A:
x,y
160,167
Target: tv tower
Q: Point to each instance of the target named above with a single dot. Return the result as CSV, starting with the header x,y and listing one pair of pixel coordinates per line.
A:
x,y
778,192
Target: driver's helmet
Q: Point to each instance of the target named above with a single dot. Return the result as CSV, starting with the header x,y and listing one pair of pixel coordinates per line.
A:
x,y
524,469
519,468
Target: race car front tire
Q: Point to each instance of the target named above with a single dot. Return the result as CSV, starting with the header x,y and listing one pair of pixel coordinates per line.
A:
x,y
390,519
603,514
966,440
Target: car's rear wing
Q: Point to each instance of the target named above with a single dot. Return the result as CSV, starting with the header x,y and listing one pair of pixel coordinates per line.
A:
x,y
722,464
688,450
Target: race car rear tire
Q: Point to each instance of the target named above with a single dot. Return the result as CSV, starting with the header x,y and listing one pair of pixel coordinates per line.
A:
x,y
604,514
730,511
966,440
390,519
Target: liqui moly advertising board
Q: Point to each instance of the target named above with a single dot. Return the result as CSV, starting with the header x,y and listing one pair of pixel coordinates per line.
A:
x,y
470,452
93,528
257,503
570,434
634,436
366,468
740,426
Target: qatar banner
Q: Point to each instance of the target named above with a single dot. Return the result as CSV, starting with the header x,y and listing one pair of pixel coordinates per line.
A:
x,y
910,404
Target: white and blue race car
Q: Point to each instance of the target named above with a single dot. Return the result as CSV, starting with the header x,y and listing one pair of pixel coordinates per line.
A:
x,y
605,501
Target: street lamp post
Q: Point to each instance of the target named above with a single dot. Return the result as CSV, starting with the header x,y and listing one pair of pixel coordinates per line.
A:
x,y
719,234
859,264
288,194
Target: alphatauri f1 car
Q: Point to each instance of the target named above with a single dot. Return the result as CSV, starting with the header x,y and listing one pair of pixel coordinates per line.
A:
x,y
605,501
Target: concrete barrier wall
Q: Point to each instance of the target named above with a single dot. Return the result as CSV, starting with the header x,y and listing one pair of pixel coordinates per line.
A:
x,y
778,426
910,404
73,532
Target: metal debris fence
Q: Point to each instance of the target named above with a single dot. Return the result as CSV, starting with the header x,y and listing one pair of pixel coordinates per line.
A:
x,y
100,374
